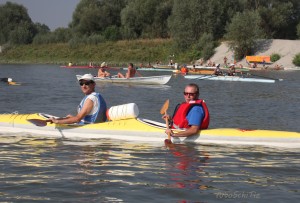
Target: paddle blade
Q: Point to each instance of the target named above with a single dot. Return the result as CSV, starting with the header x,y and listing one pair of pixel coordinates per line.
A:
x,y
165,107
38,122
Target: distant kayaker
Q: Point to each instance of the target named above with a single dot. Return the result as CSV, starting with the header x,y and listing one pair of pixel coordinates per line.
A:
x,y
91,109
9,81
102,73
131,71
184,69
191,116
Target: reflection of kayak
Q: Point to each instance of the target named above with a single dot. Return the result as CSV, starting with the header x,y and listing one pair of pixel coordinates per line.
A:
x,y
80,66
153,69
143,130
151,80
228,78
14,83
164,66
197,71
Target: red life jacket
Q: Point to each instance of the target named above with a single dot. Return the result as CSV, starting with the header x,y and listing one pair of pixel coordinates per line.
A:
x,y
182,110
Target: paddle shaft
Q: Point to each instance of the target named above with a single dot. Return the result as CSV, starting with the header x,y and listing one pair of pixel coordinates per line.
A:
x,y
203,77
163,110
167,126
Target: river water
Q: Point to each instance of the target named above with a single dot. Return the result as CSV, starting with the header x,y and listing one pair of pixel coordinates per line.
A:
x,y
59,170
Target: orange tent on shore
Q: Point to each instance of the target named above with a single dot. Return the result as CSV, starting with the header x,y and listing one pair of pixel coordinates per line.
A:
x,y
258,59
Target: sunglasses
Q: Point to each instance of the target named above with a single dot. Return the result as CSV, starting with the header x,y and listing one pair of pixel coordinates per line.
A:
x,y
190,94
81,83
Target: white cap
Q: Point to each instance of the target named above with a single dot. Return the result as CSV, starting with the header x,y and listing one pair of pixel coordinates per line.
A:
x,y
87,77
103,64
232,64
9,80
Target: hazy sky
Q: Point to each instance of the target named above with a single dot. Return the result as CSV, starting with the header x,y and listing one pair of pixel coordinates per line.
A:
x,y
53,13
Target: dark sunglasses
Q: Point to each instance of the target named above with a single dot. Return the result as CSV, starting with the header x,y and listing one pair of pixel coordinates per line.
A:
x,y
190,94
81,83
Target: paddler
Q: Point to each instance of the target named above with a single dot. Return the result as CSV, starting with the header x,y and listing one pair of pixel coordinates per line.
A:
x,y
92,108
9,81
231,70
102,73
190,116
217,70
131,71
184,69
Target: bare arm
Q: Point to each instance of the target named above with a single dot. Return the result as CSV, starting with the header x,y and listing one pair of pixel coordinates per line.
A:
x,y
88,106
194,129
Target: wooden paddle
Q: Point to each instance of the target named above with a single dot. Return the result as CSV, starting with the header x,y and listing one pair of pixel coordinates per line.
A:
x,y
39,122
163,111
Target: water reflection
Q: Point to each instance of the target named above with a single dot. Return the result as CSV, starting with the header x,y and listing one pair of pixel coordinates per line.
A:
x,y
135,86
187,166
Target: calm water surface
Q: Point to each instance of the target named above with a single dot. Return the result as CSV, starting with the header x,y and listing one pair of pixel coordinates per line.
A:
x,y
59,170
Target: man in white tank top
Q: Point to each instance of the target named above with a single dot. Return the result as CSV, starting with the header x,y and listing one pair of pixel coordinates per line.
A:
x,y
91,109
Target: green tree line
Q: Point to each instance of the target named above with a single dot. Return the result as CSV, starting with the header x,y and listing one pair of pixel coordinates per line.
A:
x,y
194,25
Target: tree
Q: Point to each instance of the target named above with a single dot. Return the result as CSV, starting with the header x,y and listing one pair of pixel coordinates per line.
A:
x,y
243,32
183,24
298,31
190,19
146,19
279,18
94,16
42,28
16,25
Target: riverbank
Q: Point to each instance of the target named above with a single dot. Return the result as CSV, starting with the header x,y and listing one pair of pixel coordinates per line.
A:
x,y
287,49
118,53
139,51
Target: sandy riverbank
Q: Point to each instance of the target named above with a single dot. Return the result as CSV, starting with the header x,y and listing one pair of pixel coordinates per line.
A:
x,y
287,49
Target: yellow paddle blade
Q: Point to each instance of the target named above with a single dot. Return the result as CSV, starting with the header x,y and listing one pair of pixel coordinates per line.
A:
x,y
165,107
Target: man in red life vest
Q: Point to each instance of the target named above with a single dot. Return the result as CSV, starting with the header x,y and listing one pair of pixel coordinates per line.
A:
x,y
191,115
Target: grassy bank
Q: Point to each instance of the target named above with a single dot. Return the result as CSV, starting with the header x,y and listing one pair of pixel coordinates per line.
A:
x,y
114,53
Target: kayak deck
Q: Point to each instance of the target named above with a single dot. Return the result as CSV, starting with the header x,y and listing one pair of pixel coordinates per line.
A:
x,y
144,130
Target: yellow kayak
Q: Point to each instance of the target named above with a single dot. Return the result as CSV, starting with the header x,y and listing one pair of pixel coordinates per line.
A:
x,y
142,130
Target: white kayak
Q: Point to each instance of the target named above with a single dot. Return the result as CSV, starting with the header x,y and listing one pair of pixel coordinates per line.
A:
x,y
151,80
228,78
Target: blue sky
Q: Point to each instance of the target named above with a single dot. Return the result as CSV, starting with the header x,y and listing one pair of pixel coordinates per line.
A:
x,y
53,13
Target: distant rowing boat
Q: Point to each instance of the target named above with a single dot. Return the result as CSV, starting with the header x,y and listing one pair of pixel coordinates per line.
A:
x,y
228,78
213,68
151,80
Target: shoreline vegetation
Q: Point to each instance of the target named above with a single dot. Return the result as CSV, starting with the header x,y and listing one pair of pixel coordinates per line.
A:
x,y
144,51
113,53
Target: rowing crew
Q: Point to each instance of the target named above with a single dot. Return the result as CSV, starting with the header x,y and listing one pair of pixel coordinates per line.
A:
x,y
231,70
